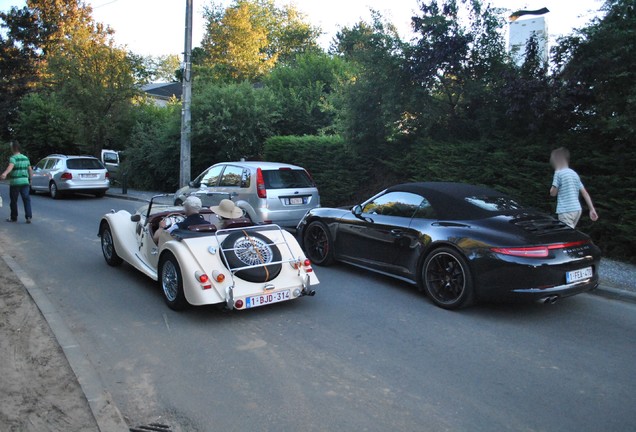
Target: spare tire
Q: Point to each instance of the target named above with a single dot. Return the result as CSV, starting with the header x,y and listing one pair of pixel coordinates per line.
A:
x,y
248,248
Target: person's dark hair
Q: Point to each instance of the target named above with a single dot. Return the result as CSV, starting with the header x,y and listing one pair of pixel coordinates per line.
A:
x,y
15,147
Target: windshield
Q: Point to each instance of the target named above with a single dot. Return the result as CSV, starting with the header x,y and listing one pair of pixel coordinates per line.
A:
x,y
84,164
286,178
495,203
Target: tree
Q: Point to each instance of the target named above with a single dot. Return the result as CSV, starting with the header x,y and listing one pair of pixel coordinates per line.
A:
x,y
304,91
247,39
458,54
375,100
32,32
97,81
231,121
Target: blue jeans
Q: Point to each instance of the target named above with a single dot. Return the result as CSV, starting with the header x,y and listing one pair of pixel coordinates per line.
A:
x,y
14,192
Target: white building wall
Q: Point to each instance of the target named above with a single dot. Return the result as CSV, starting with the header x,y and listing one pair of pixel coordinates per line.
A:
x,y
521,31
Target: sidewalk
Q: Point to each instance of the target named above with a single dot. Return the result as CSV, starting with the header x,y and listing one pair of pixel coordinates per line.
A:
x,y
132,194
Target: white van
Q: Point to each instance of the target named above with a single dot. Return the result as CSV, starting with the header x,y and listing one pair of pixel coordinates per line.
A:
x,y
110,159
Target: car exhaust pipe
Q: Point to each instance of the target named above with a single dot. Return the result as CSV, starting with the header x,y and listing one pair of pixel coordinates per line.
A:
x,y
548,300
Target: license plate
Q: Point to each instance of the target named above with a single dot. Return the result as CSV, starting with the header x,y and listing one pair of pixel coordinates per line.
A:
x,y
89,176
268,298
577,275
296,201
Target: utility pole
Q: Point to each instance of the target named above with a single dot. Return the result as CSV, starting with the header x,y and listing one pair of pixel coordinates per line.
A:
x,y
186,101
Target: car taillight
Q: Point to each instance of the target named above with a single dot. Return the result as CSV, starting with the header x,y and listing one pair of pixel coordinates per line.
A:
x,y
66,176
527,252
218,276
307,266
260,184
107,174
537,251
204,280
238,304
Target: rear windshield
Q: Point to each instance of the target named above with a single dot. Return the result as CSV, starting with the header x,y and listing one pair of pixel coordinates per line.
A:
x,y
84,164
287,179
495,204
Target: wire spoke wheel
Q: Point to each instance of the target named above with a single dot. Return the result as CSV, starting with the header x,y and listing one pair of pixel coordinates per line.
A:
x,y
447,279
169,281
253,251
107,244
108,247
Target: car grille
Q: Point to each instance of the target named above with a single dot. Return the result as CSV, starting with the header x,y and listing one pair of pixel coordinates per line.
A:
x,y
538,224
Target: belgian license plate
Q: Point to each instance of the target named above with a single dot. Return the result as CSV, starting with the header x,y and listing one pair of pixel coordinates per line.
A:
x,y
88,176
577,275
267,298
296,201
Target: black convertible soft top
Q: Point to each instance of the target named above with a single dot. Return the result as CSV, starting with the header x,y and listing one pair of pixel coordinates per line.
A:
x,y
460,201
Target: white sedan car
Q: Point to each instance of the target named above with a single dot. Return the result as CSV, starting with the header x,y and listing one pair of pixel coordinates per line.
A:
x,y
242,265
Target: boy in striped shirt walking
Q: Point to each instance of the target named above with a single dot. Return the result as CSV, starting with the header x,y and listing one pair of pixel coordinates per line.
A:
x,y
567,187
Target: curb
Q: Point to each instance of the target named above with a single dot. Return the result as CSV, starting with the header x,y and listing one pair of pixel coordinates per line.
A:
x,y
107,415
615,294
125,197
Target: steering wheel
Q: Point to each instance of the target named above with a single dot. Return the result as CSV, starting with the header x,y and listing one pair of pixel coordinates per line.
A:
x,y
173,218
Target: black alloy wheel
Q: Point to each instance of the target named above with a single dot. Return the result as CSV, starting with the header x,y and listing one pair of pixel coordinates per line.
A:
x,y
318,244
447,279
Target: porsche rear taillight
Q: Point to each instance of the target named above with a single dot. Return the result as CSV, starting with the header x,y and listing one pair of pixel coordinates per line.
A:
x,y
526,252
537,251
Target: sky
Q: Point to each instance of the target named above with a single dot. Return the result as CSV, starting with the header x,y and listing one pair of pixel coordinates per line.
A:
x,y
156,27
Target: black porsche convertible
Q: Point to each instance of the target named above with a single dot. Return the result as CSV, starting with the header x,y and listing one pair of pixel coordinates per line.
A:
x,y
457,242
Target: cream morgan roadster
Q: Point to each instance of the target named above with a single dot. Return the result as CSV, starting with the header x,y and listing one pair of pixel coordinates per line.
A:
x,y
242,265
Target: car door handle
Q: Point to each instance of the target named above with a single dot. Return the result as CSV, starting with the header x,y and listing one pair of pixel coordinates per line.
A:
x,y
396,233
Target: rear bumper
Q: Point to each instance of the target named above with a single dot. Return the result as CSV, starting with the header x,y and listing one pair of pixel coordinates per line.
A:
x,y
560,291
77,186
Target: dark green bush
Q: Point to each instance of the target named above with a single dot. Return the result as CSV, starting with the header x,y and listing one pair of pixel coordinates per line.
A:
x,y
337,170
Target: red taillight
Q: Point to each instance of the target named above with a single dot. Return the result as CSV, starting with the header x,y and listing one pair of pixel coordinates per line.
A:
x,y
260,184
307,265
537,251
568,245
66,176
527,252
238,304
204,280
107,174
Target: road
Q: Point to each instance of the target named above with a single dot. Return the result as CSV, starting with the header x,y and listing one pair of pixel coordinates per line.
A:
x,y
365,354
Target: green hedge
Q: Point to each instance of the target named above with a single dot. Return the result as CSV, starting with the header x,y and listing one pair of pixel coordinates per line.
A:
x,y
335,167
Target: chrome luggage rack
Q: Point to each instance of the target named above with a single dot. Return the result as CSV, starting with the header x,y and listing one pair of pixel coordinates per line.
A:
x,y
294,262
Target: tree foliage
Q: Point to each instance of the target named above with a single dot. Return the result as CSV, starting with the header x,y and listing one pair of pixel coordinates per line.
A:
x,y
245,40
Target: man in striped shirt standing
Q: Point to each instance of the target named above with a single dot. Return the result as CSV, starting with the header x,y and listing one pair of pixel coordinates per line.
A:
x,y
567,187
19,172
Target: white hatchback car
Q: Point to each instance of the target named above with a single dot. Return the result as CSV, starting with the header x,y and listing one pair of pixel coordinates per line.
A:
x,y
268,192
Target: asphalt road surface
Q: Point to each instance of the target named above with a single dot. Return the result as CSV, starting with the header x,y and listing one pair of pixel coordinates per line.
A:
x,y
365,354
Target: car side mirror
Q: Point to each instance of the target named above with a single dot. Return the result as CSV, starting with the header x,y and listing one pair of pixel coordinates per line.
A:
x,y
135,218
357,211
193,184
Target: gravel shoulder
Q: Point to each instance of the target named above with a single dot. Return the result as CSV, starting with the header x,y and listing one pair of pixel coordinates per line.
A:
x,y
618,275
39,390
